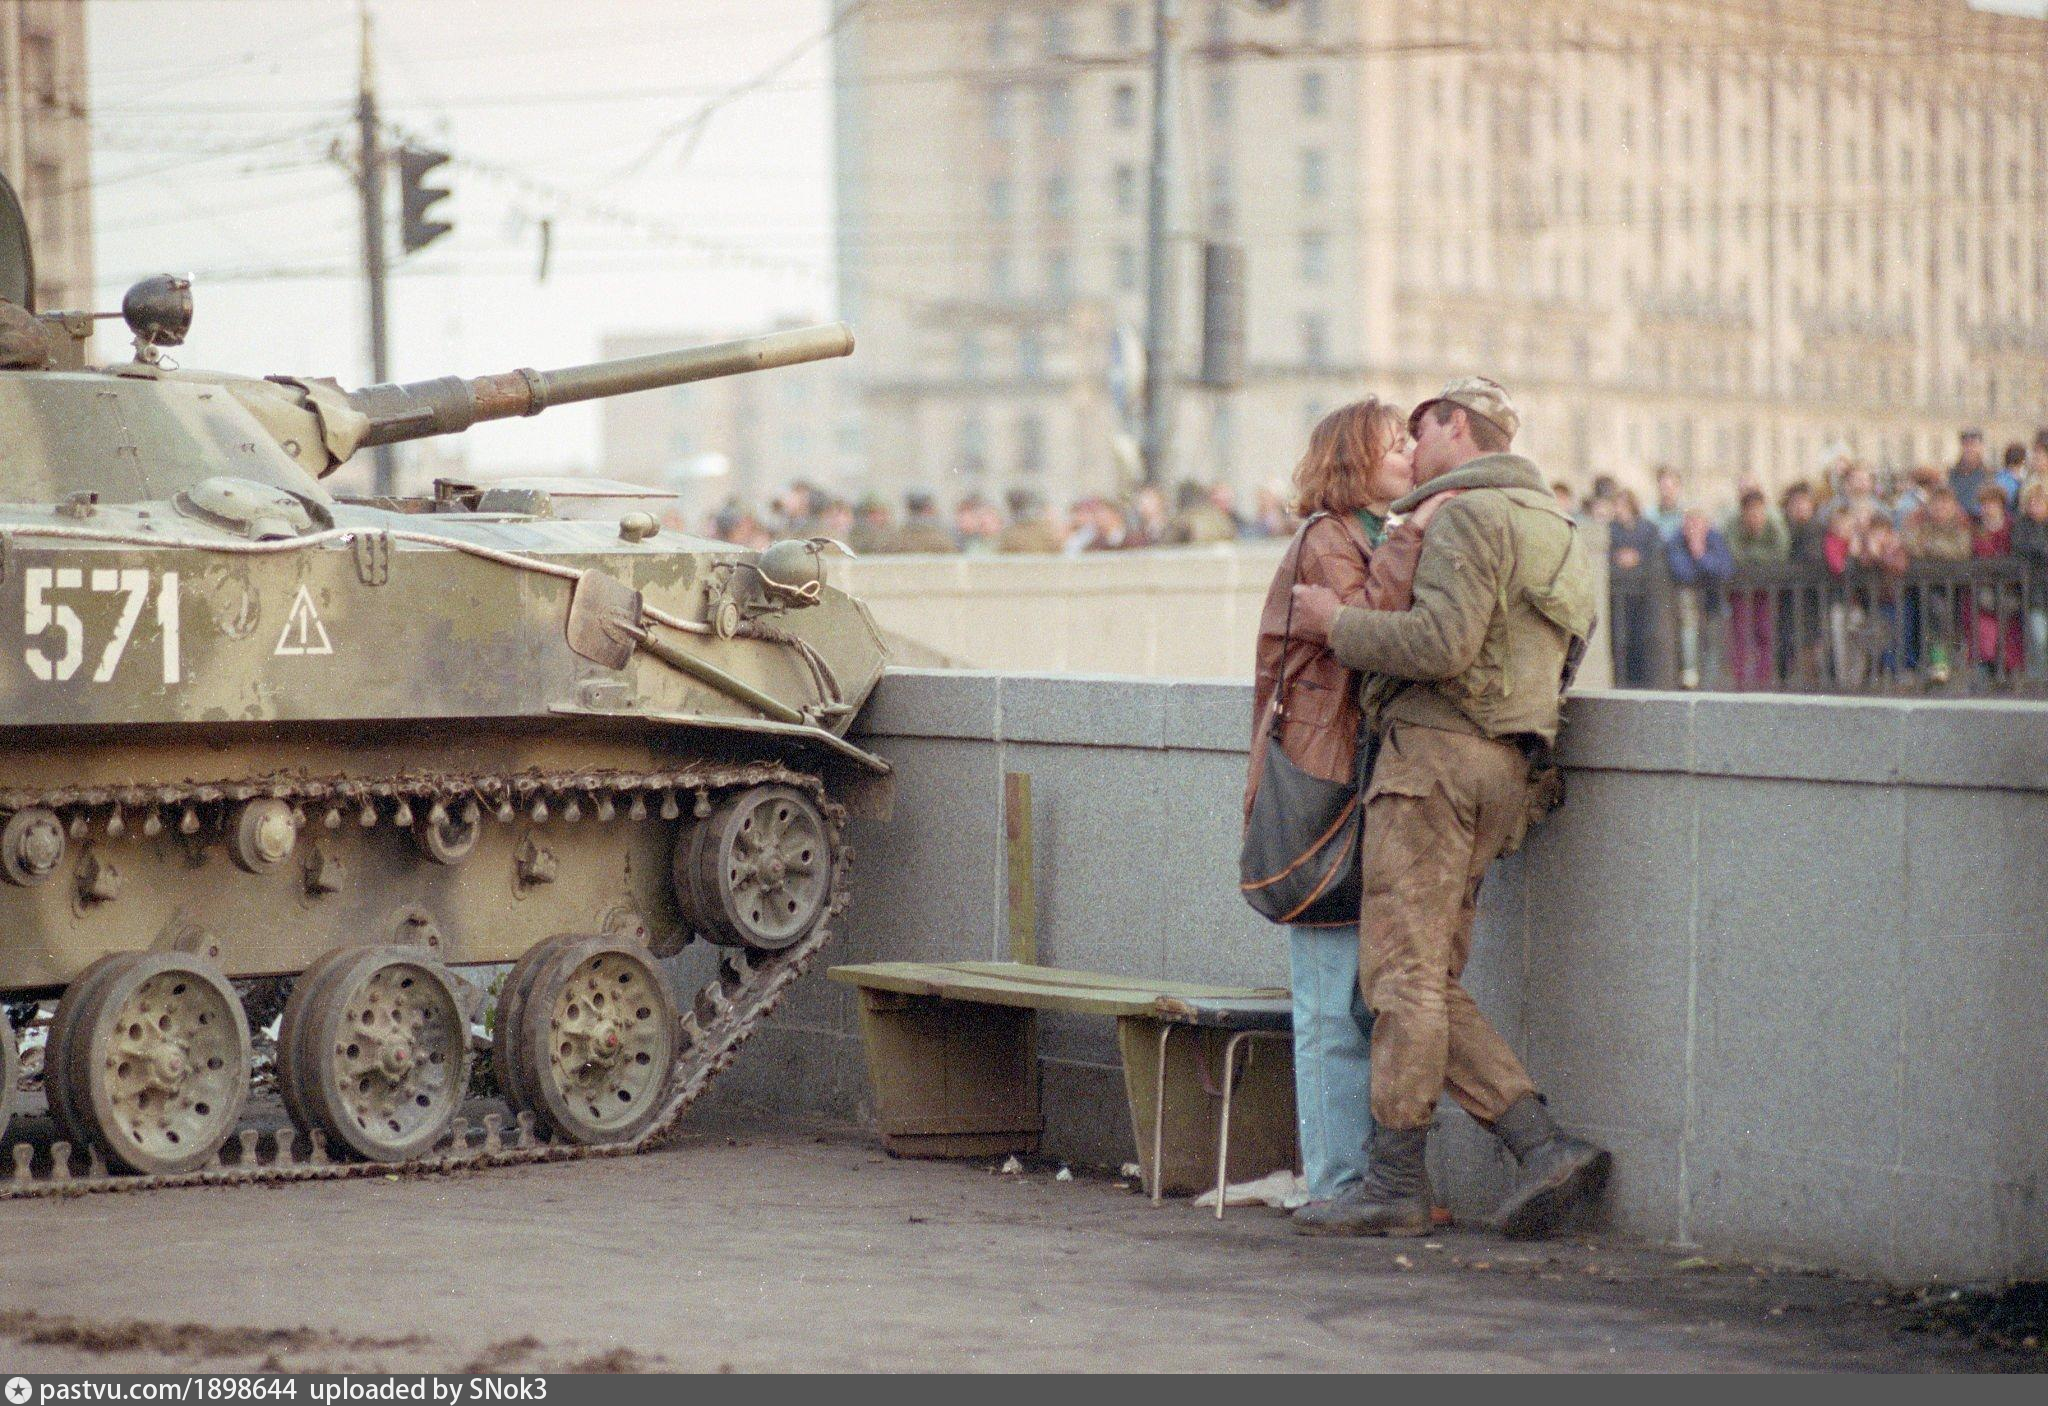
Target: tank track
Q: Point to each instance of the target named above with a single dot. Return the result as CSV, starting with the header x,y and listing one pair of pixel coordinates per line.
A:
x,y
725,1011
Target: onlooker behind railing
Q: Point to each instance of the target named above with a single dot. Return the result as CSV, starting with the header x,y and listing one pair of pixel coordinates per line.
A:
x,y
1670,504
1803,527
1920,485
1939,532
2013,475
1700,566
1969,474
1994,631
1757,537
2030,545
1635,574
1863,612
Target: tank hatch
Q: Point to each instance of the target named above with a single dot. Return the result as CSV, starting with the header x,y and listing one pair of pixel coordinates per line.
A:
x,y
253,510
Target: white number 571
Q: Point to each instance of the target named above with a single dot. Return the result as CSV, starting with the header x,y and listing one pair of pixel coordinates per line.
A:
x,y
39,616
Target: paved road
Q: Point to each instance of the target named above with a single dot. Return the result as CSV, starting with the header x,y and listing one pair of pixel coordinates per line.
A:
x,y
758,1246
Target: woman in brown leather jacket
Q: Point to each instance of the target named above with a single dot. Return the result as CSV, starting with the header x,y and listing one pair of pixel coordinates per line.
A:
x,y
1355,467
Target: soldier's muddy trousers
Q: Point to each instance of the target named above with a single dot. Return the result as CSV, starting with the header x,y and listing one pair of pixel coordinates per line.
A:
x,y
1442,806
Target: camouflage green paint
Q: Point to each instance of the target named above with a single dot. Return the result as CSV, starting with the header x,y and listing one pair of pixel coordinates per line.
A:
x,y
175,657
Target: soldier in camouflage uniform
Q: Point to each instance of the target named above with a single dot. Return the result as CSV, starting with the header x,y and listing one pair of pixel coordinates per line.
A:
x,y
1464,689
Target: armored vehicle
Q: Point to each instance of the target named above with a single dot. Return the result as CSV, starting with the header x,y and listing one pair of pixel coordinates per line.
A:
x,y
252,729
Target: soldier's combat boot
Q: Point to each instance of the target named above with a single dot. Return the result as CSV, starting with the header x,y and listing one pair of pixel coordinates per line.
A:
x,y
1562,1177
1392,1199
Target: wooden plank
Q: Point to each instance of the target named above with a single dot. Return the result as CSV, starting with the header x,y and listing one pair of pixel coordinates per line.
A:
x,y
1067,976
972,987
1022,896
1045,988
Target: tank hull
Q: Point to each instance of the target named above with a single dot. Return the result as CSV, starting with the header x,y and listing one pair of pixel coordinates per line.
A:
x,y
345,883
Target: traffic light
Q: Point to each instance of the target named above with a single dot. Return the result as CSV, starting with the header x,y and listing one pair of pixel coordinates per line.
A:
x,y
416,198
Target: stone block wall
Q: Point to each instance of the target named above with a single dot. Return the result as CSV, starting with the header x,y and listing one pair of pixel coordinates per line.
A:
x,y
1788,957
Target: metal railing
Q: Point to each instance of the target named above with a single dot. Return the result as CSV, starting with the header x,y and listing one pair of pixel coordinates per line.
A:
x,y
1958,628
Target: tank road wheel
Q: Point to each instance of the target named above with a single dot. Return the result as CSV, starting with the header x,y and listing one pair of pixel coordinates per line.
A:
x,y
77,999
157,1062
380,1053
757,872
508,1050
10,1073
291,1032
596,1038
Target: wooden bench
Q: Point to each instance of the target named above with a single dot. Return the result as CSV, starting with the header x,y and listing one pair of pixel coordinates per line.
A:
x,y
952,1050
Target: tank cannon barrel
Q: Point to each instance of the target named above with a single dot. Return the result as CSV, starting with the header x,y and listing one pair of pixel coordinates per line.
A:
x,y
449,404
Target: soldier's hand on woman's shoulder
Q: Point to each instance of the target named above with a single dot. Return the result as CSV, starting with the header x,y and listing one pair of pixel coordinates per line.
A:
x,y
1315,607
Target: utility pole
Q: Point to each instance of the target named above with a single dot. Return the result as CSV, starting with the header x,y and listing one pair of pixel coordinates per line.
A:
x,y
1161,285
370,185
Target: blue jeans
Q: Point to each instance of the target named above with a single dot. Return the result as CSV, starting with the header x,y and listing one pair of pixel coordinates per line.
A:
x,y
1332,1059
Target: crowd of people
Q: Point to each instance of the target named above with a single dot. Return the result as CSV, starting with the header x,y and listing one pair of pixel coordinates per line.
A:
x,y
1849,522
1736,620
1198,513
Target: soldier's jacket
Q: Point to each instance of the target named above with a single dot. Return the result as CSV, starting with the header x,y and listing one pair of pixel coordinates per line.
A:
x,y
1502,588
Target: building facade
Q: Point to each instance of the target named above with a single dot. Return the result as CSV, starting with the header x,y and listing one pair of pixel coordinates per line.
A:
x,y
744,437
46,142
1725,235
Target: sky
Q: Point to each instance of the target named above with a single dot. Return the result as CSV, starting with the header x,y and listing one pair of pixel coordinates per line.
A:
x,y
216,124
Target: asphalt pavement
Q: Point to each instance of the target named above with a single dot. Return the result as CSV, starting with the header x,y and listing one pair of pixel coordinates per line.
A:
x,y
760,1246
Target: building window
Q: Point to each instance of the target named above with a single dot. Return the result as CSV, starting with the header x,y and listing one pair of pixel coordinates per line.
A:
x,y
1219,24
1126,268
1030,356
1059,196
1002,114
999,205
970,356
1002,274
1123,105
1059,110
1059,274
1124,185
1315,173
1030,444
1059,34
1315,258
1123,24
999,38
1311,17
1219,99
1315,339
1312,94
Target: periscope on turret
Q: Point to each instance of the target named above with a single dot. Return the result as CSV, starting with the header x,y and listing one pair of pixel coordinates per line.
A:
x,y
255,729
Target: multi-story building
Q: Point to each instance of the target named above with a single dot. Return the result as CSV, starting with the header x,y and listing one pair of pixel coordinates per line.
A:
x,y
46,142
1720,234
738,436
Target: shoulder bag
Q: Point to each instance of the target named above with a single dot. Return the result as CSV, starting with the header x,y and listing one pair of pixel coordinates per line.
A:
x,y
1300,860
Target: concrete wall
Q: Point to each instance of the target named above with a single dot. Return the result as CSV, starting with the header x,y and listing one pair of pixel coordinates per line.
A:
x,y
1788,957
1169,612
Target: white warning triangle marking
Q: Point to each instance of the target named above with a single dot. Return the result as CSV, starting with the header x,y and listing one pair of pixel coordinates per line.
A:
x,y
303,632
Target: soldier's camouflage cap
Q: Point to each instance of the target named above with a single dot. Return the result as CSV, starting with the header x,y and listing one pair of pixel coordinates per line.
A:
x,y
1477,395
